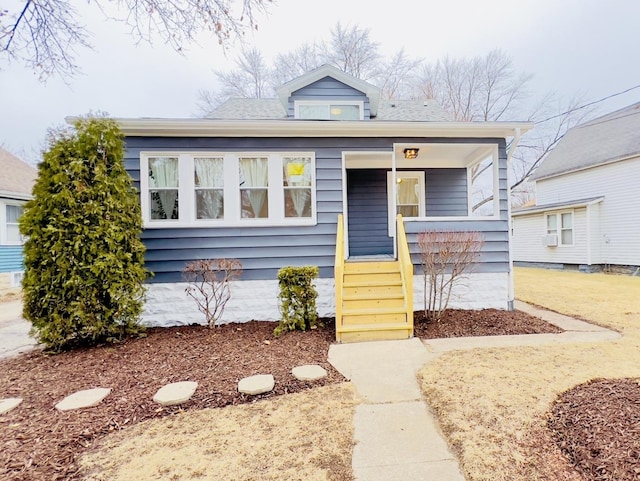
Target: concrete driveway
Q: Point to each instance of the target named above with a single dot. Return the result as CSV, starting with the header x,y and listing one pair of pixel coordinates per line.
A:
x,y
14,330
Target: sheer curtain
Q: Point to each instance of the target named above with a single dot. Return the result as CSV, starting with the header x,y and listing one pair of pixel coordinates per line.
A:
x,y
254,176
163,177
297,173
209,184
408,197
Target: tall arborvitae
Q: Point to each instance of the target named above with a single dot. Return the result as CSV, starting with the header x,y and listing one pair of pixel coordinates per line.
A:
x,y
83,255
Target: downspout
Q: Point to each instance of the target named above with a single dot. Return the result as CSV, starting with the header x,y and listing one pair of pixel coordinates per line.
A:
x,y
510,282
588,234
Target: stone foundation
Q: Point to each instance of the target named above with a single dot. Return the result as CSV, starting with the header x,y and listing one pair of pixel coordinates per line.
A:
x,y
169,305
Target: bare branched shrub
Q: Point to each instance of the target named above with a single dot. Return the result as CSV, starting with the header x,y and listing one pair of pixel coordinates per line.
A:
x,y
209,285
445,257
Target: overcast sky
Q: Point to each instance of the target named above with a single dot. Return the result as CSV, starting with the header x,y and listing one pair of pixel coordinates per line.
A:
x,y
587,47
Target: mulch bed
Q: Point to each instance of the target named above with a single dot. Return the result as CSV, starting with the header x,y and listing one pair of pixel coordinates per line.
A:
x,y
597,426
39,443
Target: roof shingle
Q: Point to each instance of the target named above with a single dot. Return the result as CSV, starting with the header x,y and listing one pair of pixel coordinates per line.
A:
x,y
17,176
606,139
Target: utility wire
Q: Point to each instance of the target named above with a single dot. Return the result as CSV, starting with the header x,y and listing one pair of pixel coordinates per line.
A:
x,y
587,105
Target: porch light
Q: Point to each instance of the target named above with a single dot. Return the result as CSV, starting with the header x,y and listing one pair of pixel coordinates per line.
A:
x,y
411,153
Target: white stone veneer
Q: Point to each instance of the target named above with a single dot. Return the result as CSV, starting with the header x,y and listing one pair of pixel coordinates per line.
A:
x,y
168,304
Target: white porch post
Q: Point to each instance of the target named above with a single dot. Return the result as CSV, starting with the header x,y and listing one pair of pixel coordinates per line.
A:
x,y
394,199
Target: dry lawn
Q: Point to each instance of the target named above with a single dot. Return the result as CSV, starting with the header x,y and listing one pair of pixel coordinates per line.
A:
x,y
302,436
492,403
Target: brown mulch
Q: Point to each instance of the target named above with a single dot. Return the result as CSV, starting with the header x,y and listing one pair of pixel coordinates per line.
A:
x,y
485,322
597,426
39,443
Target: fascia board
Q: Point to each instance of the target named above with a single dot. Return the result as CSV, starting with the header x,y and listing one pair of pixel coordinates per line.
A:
x,y
312,128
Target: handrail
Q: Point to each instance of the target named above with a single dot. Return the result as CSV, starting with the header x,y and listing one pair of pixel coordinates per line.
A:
x,y
339,271
406,267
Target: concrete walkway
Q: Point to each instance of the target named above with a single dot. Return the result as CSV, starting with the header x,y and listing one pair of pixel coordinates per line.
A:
x,y
396,435
14,330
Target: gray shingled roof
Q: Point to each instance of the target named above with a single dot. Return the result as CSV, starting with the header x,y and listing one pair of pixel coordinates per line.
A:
x,y
555,206
602,140
17,176
269,109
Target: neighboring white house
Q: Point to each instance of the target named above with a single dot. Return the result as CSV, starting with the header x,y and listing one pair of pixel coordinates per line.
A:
x,y
587,212
16,181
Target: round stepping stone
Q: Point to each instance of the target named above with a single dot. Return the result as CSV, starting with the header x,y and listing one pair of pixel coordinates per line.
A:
x,y
309,372
83,399
8,404
175,393
258,384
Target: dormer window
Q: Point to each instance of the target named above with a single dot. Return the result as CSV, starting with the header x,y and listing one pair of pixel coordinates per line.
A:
x,y
323,110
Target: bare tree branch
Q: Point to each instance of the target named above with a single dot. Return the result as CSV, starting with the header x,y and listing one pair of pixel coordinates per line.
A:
x,y
44,34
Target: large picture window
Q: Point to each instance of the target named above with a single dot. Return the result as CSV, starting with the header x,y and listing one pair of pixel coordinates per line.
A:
x,y
227,189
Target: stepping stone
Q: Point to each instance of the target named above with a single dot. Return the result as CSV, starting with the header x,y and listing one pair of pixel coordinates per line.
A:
x,y
8,404
83,399
258,384
175,393
310,372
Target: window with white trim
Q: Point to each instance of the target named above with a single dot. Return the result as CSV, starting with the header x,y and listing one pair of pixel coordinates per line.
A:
x,y
560,224
329,110
410,195
227,189
9,224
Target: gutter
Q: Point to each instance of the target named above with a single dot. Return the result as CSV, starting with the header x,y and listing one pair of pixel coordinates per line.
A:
x,y
152,127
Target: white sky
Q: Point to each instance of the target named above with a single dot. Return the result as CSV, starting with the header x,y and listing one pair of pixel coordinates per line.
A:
x,y
588,47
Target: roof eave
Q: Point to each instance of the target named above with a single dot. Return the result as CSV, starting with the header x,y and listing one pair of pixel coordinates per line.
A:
x,y
552,207
312,128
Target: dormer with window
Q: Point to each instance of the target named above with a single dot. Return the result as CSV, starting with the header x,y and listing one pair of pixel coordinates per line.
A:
x,y
327,93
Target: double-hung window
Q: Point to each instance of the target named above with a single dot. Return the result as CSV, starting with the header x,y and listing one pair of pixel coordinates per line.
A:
x,y
227,189
9,228
561,225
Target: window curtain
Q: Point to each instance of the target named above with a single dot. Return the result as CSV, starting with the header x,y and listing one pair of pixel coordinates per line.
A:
x,y
164,176
297,174
408,197
254,172
209,176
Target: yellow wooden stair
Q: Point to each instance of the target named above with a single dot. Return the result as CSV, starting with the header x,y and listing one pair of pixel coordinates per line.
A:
x,y
373,303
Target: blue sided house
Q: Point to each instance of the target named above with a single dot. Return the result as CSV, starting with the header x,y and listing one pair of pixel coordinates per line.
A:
x,y
319,176
16,181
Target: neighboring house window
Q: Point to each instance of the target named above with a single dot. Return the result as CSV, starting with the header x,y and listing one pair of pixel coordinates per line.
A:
x,y
10,234
322,110
561,225
207,189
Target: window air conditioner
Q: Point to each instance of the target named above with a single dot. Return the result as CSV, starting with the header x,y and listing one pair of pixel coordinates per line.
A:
x,y
550,240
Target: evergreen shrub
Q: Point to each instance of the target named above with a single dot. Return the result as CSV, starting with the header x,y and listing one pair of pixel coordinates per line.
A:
x,y
83,256
297,298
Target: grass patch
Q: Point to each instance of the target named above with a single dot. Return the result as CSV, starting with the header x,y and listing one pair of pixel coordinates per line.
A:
x,y
492,403
305,436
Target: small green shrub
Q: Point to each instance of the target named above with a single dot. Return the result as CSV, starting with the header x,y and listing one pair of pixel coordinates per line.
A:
x,y
297,298
84,260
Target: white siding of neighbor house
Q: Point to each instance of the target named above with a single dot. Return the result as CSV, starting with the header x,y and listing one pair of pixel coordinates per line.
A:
x,y
528,231
617,239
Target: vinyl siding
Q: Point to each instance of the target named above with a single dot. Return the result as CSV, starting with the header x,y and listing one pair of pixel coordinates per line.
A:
x,y
446,191
367,201
328,89
264,250
527,240
617,237
11,259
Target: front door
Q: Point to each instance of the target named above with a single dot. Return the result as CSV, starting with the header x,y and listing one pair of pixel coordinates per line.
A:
x,y
367,213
